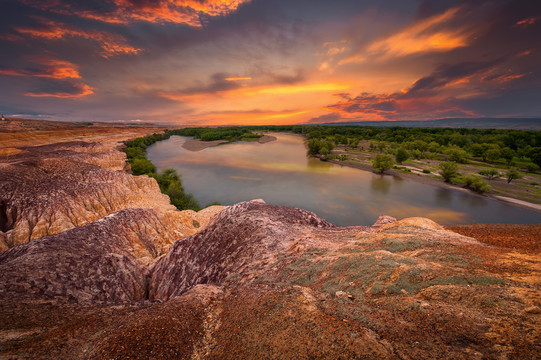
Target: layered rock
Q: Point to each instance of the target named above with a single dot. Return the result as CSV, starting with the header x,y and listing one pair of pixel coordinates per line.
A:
x,y
49,189
263,281
241,239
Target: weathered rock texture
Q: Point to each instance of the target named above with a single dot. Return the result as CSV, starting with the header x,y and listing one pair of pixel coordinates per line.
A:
x,y
128,277
51,188
244,238
263,281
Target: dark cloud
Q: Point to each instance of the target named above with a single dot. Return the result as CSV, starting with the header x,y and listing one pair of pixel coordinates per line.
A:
x,y
327,118
481,58
60,89
447,73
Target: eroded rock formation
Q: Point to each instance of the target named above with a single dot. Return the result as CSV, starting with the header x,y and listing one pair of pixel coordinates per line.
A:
x,y
101,266
51,188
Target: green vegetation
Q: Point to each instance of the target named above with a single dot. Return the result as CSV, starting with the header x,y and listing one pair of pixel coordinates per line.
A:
x,y
230,134
169,181
448,170
490,173
512,174
401,155
382,162
476,184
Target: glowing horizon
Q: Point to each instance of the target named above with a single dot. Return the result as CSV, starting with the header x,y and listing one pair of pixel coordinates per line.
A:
x,y
243,62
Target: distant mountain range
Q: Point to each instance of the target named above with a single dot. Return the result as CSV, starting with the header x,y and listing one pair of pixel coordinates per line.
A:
x,y
472,123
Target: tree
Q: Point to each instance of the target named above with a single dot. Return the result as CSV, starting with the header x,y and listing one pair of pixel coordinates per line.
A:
x,y
490,173
401,155
457,154
314,146
448,170
512,174
476,184
382,162
492,154
508,154
531,167
142,166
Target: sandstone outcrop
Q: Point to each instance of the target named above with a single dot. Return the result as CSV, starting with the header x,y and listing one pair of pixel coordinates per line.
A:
x,y
52,188
101,266
263,281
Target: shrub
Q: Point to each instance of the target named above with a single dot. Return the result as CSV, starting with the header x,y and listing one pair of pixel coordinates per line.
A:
x,y
426,171
512,174
448,170
531,167
476,184
490,173
142,166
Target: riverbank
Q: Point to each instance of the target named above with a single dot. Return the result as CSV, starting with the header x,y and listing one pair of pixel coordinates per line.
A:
x,y
198,145
426,180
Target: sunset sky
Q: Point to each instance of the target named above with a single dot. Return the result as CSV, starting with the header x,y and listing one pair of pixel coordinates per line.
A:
x,y
269,61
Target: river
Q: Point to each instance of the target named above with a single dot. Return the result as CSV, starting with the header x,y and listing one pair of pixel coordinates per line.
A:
x,y
280,173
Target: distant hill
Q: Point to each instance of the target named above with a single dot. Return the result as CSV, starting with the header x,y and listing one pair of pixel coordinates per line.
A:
x,y
474,123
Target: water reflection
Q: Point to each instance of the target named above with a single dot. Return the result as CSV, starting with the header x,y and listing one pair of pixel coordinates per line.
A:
x,y
381,184
281,174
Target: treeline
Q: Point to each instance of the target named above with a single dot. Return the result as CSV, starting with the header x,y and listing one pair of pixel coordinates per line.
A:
x,y
220,133
515,147
169,181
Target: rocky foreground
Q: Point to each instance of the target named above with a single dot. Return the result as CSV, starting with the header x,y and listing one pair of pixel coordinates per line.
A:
x,y
98,265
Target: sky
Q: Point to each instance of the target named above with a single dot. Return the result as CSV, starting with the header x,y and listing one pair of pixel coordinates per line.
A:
x,y
255,62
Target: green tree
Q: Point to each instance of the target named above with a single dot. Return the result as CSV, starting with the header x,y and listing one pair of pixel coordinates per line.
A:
x,y
490,173
457,154
382,162
512,174
492,154
142,166
476,184
448,170
508,154
401,155
531,167
314,146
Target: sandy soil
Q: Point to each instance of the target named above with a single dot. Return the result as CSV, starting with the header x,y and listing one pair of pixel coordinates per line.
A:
x,y
198,145
434,182
266,139
525,238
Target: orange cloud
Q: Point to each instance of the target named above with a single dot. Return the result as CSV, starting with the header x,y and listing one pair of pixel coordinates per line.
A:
x,y
422,37
237,78
528,21
111,44
51,68
79,90
189,12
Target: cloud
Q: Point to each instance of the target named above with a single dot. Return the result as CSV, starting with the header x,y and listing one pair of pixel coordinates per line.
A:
x,y
424,36
47,68
64,89
326,118
189,12
63,78
452,74
111,44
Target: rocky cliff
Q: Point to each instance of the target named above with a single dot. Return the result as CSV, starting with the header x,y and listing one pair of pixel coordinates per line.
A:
x,y
262,281
51,188
99,265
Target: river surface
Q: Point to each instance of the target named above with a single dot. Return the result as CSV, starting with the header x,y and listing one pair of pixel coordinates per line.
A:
x,y
280,173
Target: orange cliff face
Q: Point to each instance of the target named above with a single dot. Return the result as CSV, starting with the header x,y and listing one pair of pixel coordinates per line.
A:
x,y
98,264
52,188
